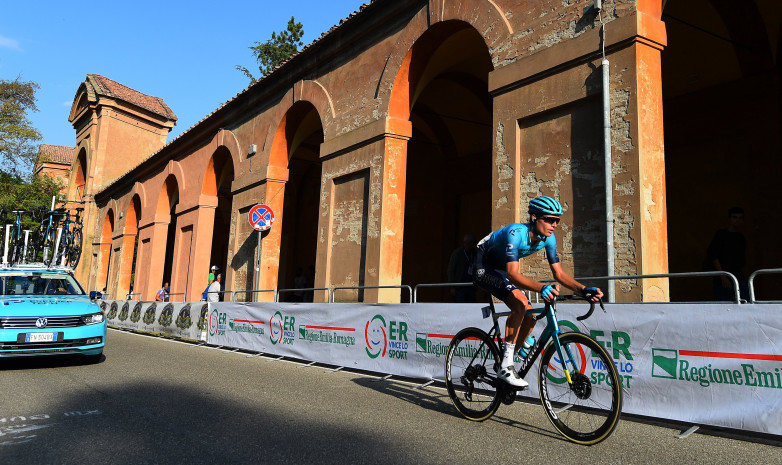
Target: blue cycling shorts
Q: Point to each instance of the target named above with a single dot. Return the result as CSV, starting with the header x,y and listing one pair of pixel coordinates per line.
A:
x,y
491,280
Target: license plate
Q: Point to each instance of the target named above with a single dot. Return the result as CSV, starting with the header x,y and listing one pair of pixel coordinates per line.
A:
x,y
40,337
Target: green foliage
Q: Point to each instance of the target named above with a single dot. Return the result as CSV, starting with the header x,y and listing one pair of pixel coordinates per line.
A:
x,y
276,50
18,194
17,135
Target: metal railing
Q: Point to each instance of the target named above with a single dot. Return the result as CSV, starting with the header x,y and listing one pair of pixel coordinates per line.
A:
x,y
176,293
221,293
300,289
752,283
252,292
693,274
413,290
417,286
403,286
128,297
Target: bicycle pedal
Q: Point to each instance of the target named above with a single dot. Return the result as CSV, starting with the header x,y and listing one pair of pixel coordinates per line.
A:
x,y
486,311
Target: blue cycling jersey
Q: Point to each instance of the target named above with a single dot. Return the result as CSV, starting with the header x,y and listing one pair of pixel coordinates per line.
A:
x,y
511,243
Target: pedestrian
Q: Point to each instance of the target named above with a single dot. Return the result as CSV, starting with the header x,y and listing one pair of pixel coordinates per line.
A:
x,y
162,293
214,289
299,282
727,252
460,269
214,269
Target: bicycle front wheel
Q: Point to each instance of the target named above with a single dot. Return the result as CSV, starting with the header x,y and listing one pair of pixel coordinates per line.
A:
x,y
471,365
74,251
585,410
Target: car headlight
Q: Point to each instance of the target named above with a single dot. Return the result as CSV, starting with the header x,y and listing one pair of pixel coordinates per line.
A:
x,y
93,318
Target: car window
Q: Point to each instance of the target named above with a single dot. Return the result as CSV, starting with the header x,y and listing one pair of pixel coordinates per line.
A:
x,y
26,283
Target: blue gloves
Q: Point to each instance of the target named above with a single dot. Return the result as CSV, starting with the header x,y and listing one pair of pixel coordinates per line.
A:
x,y
589,290
547,292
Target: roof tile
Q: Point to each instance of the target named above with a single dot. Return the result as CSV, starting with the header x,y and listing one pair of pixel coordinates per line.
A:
x,y
110,88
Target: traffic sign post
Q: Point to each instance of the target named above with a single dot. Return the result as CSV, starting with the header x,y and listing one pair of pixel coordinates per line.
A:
x,y
261,218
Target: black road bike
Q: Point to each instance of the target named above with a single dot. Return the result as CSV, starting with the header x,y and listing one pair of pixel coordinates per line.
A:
x,y
578,382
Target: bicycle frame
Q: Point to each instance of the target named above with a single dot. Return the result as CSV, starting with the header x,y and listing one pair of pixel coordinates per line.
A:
x,y
551,331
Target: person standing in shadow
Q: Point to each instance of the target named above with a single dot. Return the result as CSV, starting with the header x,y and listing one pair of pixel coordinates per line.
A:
x,y
460,270
727,252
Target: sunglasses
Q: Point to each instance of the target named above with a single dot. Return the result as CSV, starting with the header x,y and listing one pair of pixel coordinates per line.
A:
x,y
550,219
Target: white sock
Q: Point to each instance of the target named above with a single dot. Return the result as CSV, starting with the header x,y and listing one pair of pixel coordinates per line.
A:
x,y
507,358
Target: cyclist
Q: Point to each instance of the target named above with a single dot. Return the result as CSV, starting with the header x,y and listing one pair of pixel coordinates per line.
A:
x,y
497,272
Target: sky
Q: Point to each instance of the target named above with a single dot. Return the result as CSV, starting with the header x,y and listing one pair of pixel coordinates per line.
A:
x,y
184,52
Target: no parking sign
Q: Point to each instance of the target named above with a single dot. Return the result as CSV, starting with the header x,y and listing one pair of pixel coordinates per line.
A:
x,y
261,217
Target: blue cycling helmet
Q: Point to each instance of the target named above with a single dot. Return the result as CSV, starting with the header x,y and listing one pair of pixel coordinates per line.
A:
x,y
545,205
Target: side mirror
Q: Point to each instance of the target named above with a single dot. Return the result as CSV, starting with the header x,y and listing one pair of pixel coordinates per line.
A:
x,y
95,295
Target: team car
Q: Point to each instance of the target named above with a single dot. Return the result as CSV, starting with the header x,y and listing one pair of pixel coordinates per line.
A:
x,y
45,311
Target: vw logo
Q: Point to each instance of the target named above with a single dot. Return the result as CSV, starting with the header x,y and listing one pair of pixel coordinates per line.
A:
x,y
41,323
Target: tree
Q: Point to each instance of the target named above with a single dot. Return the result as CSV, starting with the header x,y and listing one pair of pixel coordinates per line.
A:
x,y
276,50
17,193
17,134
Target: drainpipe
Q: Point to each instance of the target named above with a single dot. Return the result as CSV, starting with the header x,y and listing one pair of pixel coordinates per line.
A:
x,y
609,179
609,200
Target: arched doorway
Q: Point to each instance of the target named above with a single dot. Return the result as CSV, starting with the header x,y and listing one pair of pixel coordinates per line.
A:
x,y
448,187
127,274
219,176
105,254
76,192
167,203
303,132
722,101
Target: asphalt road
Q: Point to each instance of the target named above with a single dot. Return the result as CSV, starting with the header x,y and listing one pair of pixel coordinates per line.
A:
x,y
154,400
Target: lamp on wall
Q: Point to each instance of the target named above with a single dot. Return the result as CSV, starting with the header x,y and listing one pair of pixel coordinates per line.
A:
x,y
252,150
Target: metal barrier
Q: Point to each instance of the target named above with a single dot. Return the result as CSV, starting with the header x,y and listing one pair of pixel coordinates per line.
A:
x,y
252,292
752,284
223,294
300,289
127,297
175,293
415,289
335,289
693,274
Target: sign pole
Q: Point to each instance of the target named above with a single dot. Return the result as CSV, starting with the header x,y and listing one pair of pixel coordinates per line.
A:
x,y
261,218
257,265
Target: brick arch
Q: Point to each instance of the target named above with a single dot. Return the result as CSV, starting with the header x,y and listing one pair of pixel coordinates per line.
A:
x,y
483,15
79,172
310,92
170,189
174,168
107,229
414,69
140,191
132,216
104,247
223,142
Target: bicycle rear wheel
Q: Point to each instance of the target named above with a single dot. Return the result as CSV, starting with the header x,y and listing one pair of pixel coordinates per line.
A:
x,y
470,374
62,247
587,410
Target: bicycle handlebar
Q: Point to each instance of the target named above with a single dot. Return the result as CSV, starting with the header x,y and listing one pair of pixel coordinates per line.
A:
x,y
588,296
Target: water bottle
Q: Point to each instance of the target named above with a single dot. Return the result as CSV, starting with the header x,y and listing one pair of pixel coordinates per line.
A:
x,y
526,346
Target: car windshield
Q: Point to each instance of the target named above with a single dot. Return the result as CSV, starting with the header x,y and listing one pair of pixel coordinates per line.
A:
x,y
37,283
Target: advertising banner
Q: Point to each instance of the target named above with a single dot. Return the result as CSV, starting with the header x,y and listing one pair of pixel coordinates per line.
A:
x,y
709,364
176,319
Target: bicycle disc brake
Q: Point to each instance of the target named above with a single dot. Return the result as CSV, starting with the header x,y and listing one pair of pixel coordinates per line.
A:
x,y
581,386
